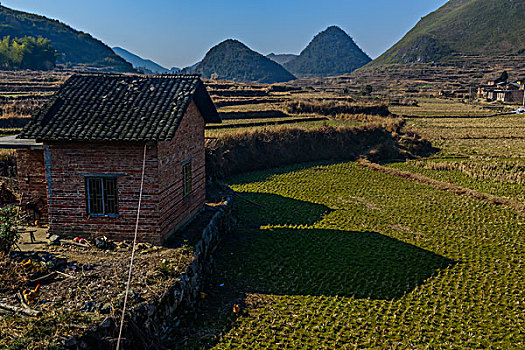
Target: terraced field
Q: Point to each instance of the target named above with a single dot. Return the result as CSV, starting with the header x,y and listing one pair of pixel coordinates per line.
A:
x,y
341,256
336,255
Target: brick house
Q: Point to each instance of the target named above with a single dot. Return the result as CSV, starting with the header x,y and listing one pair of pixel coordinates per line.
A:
x,y
87,154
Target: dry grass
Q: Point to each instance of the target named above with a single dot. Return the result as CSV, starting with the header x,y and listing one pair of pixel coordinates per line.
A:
x,y
332,108
445,186
257,149
429,107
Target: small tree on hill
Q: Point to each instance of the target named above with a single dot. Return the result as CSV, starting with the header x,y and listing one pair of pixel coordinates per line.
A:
x,y
503,77
367,90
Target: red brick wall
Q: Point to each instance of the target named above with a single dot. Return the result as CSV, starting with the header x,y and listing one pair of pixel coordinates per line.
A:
x,y
68,208
175,209
32,183
163,207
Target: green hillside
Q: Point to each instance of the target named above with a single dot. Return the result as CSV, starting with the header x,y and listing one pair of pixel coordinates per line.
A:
x,y
331,52
232,60
73,47
464,27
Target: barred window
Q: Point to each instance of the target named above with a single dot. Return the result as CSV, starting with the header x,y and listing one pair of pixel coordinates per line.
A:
x,y
102,196
186,178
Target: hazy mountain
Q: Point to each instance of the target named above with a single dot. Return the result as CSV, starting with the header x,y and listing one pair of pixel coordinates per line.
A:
x,y
75,47
142,64
331,52
232,60
463,27
281,58
190,69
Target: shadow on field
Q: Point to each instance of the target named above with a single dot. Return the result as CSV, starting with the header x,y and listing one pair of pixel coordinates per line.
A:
x,y
323,262
264,175
276,252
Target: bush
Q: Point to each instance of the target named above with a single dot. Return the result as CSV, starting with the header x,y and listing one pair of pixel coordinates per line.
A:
x,y
9,232
331,108
261,149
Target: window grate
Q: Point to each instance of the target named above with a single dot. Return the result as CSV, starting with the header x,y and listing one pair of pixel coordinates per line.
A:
x,y
186,178
102,196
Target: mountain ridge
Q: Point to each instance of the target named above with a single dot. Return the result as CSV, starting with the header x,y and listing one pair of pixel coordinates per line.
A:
x,y
146,65
462,27
75,47
331,52
281,58
233,60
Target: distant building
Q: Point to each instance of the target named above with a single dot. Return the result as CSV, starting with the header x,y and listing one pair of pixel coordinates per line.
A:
x,y
85,154
502,91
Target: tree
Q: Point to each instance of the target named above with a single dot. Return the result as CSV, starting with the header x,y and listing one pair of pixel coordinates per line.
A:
x,y
503,77
9,232
27,53
367,90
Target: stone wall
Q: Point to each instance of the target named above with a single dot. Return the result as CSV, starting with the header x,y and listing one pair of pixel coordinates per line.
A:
x,y
146,324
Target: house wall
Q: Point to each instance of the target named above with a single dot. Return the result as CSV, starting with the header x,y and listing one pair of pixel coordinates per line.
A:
x,y
32,183
175,209
163,209
69,163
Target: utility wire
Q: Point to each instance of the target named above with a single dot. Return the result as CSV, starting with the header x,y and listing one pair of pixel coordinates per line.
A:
x,y
132,251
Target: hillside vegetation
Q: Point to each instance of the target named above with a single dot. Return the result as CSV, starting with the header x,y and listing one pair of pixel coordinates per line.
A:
x,y
232,60
27,53
331,52
74,47
465,27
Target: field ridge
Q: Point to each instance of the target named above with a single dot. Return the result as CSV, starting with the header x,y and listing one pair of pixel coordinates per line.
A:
x,y
446,186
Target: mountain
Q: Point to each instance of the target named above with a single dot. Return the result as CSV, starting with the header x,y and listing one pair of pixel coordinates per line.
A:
x,y
486,28
232,60
281,58
74,47
190,69
145,65
331,52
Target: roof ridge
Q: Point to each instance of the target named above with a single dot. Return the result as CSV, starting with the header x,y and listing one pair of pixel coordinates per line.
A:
x,y
109,106
147,76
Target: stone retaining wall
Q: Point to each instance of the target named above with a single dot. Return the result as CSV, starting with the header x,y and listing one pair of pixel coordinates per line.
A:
x,y
147,324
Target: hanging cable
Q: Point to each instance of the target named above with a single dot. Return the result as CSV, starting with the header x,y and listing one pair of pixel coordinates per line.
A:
x,y
132,251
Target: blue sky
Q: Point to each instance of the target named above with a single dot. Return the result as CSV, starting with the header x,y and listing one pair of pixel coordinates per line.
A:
x,y
179,32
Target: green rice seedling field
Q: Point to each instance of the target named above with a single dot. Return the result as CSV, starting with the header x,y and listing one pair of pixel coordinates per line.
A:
x,y
338,256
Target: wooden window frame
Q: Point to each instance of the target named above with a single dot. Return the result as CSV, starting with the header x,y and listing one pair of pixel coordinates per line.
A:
x,y
108,209
187,178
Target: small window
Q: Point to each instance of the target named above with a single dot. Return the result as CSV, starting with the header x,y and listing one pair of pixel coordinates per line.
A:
x,y
102,196
186,178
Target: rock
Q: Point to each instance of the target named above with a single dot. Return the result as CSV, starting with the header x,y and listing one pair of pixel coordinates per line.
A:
x,y
88,306
70,342
54,240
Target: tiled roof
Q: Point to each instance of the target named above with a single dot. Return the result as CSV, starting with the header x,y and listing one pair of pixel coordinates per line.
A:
x,y
119,107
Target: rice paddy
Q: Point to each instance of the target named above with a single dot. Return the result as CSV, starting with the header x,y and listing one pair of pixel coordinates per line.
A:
x,y
341,256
